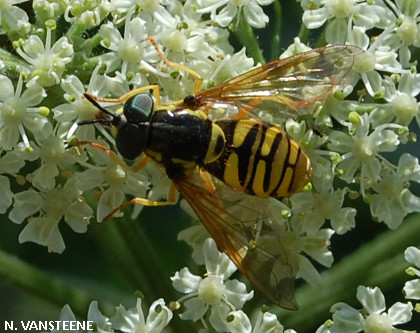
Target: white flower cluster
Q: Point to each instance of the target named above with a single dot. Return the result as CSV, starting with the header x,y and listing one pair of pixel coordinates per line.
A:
x,y
30,134
222,298
374,316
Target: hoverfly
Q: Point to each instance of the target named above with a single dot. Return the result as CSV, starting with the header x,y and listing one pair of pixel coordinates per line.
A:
x,y
245,153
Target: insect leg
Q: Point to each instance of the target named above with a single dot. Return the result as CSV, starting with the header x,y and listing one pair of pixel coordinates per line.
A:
x,y
109,152
199,79
131,93
208,182
135,201
136,167
145,202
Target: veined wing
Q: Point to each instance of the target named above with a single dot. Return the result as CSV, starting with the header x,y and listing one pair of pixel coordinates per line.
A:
x,y
254,247
296,81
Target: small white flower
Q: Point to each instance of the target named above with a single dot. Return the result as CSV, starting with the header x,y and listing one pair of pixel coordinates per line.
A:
x,y
251,10
361,151
17,113
404,28
88,15
133,320
313,208
393,201
119,181
372,318
14,18
339,14
130,50
54,156
402,100
214,292
102,323
268,323
375,58
49,9
48,62
53,205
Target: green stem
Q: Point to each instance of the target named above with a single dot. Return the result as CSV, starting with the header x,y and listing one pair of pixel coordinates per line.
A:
x,y
303,34
155,279
37,282
109,237
378,263
321,40
76,30
247,38
95,40
275,42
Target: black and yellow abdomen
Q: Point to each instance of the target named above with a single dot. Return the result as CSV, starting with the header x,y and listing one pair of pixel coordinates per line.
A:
x,y
261,159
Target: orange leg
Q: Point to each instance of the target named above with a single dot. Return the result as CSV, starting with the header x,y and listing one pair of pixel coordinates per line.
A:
x,y
110,154
199,79
145,202
245,110
139,201
208,182
131,93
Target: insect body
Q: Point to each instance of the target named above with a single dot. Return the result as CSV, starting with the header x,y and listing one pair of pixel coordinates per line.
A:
x,y
244,152
180,137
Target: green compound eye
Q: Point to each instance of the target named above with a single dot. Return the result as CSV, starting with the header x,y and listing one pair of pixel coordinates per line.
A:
x,y
138,109
131,137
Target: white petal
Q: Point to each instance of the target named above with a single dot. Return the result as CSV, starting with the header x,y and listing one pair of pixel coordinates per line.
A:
x,y
77,216
239,322
314,19
217,263
412,255
195,309
255,15
43,231
6,88
346,319
236,293
226,15
6,194
157,320
412,289
110,33
62,48
26,203
185,282
400,313
372,299
109,200
307,271
336,32
33,95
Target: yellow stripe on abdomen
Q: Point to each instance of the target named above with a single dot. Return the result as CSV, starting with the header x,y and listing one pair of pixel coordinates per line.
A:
x,y
261,159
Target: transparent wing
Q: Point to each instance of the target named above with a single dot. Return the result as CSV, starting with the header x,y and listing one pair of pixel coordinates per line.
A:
x,y
245,236
296,81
